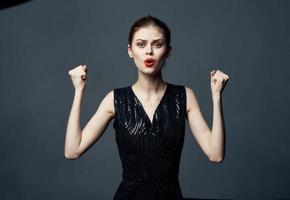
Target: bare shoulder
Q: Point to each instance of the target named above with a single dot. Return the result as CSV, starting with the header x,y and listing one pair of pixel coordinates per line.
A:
x,y
191,99
108,103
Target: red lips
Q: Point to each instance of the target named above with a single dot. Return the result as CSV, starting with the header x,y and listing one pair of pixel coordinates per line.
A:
x,y
149,62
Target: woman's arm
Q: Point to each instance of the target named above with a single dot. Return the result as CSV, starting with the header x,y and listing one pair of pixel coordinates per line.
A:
x,y
217,133
211,141
78,141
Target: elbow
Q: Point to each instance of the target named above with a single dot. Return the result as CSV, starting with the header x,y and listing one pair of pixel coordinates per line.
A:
x,y
71,153
216,159
70,156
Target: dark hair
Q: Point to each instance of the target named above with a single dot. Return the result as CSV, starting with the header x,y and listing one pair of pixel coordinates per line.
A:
x,y
150,21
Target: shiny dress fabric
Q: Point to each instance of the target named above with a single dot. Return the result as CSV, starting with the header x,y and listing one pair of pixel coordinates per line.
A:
x,y
150,151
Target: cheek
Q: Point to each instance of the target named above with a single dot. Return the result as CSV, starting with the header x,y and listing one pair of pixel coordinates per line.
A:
x,y
137,52
161,53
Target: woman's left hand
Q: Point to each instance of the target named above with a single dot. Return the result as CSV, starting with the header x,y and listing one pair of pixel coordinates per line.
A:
x,y
218,81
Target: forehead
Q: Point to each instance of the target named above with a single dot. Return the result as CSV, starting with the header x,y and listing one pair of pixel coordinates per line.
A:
x,y
149,33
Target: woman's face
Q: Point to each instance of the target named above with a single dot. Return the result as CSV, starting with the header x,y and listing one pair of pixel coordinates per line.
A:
x,y
148,42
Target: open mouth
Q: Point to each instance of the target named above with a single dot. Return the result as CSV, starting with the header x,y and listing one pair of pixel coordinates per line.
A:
x,y
149,62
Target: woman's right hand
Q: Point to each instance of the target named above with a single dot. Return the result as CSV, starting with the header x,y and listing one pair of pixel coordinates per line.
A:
x,y
78,76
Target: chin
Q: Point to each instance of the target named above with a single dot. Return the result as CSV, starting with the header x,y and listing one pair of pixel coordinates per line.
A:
x,y
153,70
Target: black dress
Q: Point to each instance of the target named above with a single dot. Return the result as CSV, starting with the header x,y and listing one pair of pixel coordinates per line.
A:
x,y
150,151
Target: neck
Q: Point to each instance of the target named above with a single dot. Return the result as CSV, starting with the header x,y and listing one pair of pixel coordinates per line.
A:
x,y
150,84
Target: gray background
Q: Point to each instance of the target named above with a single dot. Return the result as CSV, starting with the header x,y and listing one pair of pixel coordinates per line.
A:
x,y
41,40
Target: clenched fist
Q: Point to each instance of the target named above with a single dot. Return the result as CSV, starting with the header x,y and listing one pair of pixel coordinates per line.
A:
x,y
218,81
78,76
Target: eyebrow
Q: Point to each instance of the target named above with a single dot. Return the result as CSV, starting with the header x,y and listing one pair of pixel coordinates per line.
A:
x,y
153,40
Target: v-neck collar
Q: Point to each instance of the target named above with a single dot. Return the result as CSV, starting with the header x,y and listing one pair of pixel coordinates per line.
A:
x,y
141,105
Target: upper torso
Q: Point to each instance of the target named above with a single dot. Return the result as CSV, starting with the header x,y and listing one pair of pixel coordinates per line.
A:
x,y
142,142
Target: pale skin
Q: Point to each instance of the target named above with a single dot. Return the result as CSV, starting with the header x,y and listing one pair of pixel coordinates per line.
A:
x,y
149,88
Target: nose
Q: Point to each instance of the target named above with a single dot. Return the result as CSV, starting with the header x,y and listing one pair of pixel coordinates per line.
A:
x,y
149,50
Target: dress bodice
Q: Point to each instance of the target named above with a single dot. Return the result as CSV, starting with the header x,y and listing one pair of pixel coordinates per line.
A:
x,y
150,150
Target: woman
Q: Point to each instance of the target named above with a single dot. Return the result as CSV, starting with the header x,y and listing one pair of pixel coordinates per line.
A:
x,y
149,118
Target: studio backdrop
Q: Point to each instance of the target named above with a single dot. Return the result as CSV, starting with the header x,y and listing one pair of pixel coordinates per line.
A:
x,y
40,41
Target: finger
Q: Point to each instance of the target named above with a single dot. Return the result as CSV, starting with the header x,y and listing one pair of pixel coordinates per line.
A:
x,y
219,79
84,77
213,72
225,77
85,68
83,74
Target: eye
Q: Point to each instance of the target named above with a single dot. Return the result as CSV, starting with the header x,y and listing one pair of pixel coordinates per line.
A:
x,y
158,45
140,44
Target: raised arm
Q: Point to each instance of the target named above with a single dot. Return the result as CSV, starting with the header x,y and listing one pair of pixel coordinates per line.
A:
x,y
78,141
211,141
